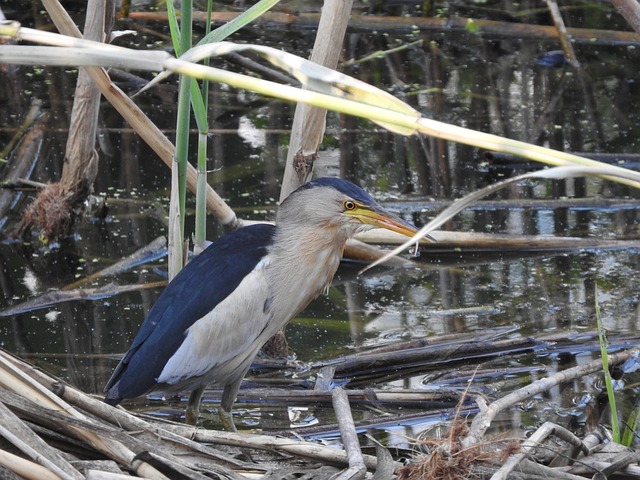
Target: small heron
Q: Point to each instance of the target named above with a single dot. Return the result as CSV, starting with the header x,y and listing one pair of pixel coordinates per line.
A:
x,y
215,315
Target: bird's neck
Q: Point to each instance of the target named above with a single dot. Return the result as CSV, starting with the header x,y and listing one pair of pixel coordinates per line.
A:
x,y
304,262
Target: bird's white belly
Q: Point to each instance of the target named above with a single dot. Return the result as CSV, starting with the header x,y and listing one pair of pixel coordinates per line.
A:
x,y
228,331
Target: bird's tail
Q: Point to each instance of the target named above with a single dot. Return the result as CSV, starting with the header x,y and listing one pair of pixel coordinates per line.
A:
x,y
113,396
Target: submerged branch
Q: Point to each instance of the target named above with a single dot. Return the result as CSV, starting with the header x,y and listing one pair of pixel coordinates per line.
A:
x,y
98,293
483,420
485,28
488,242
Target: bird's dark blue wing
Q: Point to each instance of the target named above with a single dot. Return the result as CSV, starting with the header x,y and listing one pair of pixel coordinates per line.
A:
x,y
205,281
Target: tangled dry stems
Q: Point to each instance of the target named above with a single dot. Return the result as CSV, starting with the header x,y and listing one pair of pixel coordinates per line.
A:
x,y
51,213
449,460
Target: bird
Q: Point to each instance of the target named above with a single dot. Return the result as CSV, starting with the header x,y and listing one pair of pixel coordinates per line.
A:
x,y
211,320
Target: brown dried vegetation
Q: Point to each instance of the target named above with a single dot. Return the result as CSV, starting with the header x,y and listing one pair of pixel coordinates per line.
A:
x,y
447,458
52,213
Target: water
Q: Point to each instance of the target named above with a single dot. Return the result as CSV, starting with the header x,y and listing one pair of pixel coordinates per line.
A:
x,y
490,84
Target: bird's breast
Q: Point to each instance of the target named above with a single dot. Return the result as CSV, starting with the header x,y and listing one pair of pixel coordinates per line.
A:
x,y
296,283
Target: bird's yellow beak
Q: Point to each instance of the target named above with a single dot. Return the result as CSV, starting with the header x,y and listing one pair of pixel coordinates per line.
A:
x,y
379,217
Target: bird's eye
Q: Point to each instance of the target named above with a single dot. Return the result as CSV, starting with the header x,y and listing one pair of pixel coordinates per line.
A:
x,y
349,205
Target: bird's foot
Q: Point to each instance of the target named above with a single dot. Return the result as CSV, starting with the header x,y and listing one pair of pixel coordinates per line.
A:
x,y
226,418
191,415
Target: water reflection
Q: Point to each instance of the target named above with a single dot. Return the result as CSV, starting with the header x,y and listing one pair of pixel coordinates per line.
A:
x,y
492,85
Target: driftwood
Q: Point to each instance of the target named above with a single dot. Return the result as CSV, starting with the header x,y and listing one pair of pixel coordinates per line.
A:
x,y
491,242
72,292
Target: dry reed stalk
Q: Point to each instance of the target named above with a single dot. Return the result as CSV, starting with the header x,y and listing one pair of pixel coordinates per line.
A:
x,y
59,205
138,120
356,469
309,122
26,469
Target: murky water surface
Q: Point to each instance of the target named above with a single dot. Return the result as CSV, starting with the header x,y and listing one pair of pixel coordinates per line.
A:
x,y
487,83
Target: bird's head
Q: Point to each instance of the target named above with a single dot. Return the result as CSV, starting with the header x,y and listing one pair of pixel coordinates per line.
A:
x,y
333,203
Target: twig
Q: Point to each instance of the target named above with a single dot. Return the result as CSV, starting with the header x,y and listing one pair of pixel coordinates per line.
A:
x,y
483,420
449,353
534,441
36,456
324,379
99,475
18,381
531,470
120,442
621,463
403,397
124,420
382,53
61,296
488,242
588,466
357,469
565,40
153,250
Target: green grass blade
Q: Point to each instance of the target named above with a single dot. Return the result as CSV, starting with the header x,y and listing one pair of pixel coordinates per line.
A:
x,y
183,120
615,426
186,25
630,427
174,28
237,23
199,107
182,143
200,233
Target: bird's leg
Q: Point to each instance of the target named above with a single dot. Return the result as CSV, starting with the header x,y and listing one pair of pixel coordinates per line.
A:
x,y
193,406
229,394
226,405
